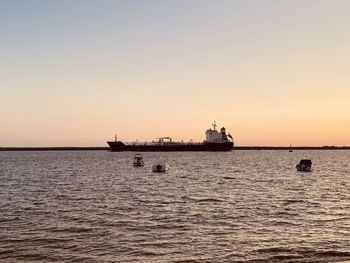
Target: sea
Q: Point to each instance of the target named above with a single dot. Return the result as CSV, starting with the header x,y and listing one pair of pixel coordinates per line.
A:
x,y
240,206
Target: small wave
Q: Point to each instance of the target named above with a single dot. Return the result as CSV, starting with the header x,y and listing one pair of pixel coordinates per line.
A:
x,y
171,202
328,218
208,200
157,244
282,258
7,252
273,250
73,229
187,261
333,253
8,219
145,252
30,257
293,201
284,223
286,213
263,181
229,178
201,200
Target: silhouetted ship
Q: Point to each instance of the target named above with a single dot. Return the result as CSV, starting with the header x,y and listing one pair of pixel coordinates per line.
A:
x,y
215,141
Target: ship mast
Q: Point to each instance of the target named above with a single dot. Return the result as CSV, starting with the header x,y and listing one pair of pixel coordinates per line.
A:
x,y
214,125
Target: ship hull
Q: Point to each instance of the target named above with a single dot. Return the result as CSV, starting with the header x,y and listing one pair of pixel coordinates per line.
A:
x,y
200,147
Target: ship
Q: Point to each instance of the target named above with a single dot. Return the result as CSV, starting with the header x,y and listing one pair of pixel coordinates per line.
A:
x,y
215,141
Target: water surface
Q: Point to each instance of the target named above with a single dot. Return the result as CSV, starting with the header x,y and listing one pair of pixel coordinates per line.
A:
x,y
241,206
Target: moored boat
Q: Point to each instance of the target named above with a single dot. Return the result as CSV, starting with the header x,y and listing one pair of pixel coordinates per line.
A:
x,y
215,141
290,149
138,160
160,166
304,165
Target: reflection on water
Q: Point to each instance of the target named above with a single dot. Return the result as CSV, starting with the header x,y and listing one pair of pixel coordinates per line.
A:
x,y
241,206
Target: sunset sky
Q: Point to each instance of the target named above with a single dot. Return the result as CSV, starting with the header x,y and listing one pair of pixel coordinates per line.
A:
x,y
75,73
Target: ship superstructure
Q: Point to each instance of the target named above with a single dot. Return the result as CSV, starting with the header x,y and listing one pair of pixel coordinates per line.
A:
x,y
213,136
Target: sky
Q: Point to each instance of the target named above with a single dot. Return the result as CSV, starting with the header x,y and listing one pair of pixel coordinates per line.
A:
x,y
75,73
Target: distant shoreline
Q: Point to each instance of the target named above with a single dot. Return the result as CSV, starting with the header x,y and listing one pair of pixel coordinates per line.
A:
x,y
54,148
257,148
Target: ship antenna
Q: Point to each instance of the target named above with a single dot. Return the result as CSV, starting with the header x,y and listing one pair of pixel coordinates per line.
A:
x,y
116,138
214,125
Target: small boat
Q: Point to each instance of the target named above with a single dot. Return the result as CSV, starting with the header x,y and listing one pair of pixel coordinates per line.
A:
x,y
160,166
290,149
304,165
138,160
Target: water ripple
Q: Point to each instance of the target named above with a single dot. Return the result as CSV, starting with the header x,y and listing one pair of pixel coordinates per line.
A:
x,y
209,207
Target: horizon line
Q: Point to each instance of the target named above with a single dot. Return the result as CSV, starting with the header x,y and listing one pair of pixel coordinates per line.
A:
x,y
100,148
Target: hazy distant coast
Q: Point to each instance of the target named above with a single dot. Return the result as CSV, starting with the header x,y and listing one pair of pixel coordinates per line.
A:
x,y
292,148
235,148
54,148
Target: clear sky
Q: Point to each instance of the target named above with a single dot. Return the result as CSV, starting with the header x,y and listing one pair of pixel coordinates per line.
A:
x,y
74,73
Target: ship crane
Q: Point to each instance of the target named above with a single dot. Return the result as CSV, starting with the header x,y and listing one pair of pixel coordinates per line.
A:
x,y
161,139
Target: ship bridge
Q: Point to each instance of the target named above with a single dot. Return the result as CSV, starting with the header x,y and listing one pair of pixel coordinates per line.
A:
x,y
214,136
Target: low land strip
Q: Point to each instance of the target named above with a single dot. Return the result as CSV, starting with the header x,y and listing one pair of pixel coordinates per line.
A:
x,y
256,148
